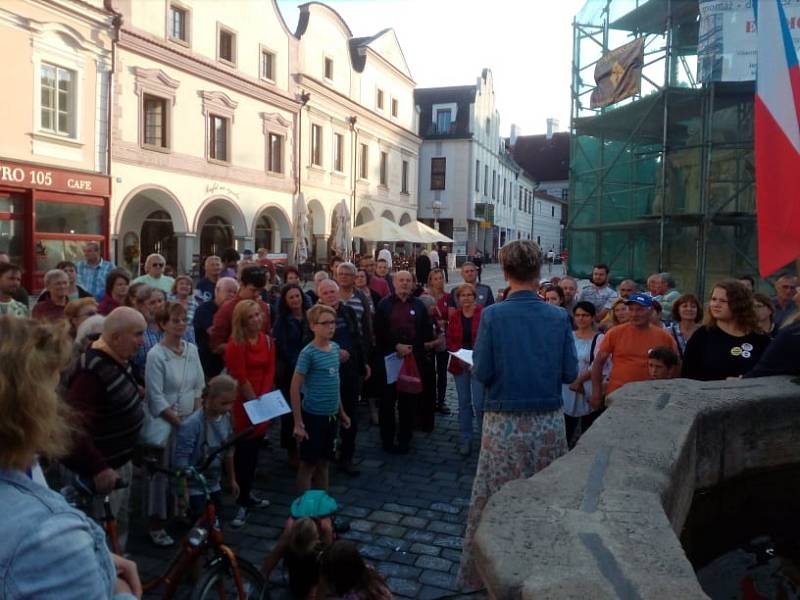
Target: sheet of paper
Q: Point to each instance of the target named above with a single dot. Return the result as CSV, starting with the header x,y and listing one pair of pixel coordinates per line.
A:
x,y
393,364
464,355
266,407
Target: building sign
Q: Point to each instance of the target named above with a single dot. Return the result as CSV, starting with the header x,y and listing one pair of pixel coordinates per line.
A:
x,y
727,43
618,74
56,180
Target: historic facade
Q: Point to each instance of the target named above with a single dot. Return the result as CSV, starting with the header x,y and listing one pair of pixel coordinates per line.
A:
x,y
470,185
358,125
54,185
204,131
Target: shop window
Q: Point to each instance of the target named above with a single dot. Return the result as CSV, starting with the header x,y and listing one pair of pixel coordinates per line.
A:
x,y
69,218
158,236
12,227
154,121
316,145
218,142
275,161
58,104
438,169
265,233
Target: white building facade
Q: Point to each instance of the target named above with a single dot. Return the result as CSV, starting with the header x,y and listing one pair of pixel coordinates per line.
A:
x,y
204,131
359,121
469,184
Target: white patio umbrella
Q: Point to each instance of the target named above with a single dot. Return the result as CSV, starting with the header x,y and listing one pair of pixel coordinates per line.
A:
x,y
382,229
341,232
300,233
428,235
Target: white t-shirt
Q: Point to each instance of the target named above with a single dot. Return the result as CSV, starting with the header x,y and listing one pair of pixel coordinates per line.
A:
x,y
434,256
386,255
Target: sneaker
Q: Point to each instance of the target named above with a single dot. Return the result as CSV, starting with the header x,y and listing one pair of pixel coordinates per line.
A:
x,y
256,502
464,449
240,519
161,538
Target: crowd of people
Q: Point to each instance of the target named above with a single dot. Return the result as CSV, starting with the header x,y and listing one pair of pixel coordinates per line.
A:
x,y
162,366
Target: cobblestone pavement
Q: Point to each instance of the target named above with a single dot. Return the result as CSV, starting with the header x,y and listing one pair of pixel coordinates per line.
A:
x,y
407,513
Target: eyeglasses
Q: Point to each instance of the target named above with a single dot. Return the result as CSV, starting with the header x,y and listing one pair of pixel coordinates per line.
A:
x,y
326,322
156,264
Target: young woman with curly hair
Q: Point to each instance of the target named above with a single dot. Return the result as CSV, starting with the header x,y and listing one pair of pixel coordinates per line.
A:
x,y
730,343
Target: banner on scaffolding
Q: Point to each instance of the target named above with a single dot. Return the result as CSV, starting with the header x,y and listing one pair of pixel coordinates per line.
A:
x,y
618,74
727,46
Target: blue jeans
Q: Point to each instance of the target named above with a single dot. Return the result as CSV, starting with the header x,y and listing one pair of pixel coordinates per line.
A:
x,y
470,402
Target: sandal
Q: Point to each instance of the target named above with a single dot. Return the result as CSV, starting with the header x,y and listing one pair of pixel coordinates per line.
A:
x,y
161,538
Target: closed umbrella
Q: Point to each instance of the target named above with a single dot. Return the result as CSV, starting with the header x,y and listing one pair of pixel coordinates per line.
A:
x,y
341,233
300,233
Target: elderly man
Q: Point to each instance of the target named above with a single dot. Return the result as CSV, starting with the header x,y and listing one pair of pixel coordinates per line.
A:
x,y
52,307
346,278
598,292
205,288
628,346
483,293
402,326
523,422
108,400
569,286
10,282
354,348
785,291
93,270
213,363
154,274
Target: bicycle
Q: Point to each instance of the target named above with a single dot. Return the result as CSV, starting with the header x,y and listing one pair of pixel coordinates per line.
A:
x,y
224,575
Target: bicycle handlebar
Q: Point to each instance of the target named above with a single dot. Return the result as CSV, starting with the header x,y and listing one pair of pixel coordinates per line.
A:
x,y
86,487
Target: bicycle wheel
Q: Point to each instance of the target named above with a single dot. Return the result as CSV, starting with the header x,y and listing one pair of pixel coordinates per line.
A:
x,y
217,582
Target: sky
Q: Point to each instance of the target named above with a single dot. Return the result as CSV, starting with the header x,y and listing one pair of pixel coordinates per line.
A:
x,y
526,43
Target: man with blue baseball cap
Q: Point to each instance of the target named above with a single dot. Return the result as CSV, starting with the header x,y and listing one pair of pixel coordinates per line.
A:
x,y
628,346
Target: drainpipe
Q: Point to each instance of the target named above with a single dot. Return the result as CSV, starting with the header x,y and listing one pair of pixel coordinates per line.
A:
x,y
353,148
116,23
304,98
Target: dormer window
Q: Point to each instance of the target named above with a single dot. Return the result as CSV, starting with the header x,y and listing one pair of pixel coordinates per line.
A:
x,y
329,68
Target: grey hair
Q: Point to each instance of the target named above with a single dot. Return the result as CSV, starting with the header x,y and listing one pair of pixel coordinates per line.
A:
x,y
52,274
667,278
92,325
320,275
521,260
223,281
348,266
150,257
92,244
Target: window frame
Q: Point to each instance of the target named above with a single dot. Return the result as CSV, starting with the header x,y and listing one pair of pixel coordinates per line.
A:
x,y
395,104
363,162
317,138
166,125
187,11
439,173
478,175
212,138
380,99
231,32
264,50
486,180
270,157
72,102
328,60
404,177
338,152
384,169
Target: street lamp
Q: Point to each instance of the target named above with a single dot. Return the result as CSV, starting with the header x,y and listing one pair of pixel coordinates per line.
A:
x,y
437,210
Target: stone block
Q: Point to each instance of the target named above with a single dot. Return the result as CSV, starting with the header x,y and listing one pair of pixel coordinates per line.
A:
x,y
414,522
382,516
405,588
421,548
433,563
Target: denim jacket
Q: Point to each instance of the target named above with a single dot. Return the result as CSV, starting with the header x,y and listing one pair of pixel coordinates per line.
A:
x,y
49,549
524,352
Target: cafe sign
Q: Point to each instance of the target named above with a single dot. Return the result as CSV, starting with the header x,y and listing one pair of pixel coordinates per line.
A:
x,y
56,180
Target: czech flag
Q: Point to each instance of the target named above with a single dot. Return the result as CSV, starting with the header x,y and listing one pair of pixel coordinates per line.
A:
x,y
777,140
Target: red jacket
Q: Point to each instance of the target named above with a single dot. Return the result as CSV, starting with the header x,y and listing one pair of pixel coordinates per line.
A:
x,y
222,326
253,363
455,334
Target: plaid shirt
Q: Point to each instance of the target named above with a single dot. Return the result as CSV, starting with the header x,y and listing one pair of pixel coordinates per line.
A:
x,y
93,279
601,297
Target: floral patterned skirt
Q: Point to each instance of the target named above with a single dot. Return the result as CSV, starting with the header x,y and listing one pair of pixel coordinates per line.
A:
x,y
514,445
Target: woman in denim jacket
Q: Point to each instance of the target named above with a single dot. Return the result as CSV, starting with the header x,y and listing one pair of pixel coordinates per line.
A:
x,y
49,549
523,354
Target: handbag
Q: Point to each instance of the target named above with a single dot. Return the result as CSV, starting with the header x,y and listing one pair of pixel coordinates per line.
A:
x,y
156,430
409,380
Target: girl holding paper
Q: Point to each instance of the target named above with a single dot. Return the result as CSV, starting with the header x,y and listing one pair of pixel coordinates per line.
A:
x,y
250,360
462,331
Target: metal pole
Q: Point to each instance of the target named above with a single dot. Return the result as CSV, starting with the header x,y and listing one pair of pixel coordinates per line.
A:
x,y
665,127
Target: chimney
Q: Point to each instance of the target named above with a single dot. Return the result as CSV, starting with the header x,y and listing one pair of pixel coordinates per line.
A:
x,y
516,131
552,127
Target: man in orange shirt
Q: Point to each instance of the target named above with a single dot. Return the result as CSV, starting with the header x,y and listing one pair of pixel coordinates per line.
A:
x,y
628,345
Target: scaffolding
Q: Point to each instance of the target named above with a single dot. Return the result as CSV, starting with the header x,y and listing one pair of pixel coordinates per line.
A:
x,y
664,180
